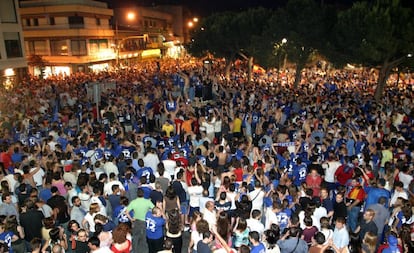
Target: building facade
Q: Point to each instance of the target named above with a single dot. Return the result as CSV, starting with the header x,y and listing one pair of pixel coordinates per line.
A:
x,y
13,64
67,36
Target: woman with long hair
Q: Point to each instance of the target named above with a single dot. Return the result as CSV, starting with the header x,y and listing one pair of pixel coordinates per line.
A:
x,y
12,225
240,233
201,227
224,227
174,230
171,200
121,243
369,243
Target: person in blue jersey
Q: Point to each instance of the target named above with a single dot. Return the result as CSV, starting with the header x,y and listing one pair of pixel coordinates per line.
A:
x,y
300,171
155,222
171,105
127,148
375,192
62,140
256,245
144,171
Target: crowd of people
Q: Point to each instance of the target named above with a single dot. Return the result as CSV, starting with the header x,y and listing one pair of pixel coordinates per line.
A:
x,y
179,149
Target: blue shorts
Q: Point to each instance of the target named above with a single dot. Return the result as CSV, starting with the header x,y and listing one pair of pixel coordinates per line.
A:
x,y
184,208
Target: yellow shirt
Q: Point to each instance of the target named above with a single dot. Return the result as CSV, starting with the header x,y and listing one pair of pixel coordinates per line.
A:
x,y
168,128
237,124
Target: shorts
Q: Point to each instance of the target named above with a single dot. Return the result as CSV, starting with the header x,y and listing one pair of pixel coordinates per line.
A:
x,y
184,208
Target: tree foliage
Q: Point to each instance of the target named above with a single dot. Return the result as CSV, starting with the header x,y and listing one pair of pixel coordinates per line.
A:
x,y
379,34
226,34
302,24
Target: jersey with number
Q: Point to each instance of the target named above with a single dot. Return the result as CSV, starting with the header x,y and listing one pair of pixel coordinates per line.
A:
x,y
145,172
81,151
127,151
154,226
299,173
171,106
282,219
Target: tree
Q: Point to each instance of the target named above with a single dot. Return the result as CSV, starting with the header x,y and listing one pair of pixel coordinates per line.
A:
x,y
302,24
379,34
228,33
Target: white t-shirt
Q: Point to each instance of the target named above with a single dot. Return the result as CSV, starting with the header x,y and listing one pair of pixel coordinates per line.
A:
x,y
255,225
330,169
38,176
256,197
405,179
195,193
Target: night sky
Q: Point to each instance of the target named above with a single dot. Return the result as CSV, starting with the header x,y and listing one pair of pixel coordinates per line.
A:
x,y
206,7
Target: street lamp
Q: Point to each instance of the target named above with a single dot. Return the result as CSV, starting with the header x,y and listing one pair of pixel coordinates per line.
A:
x,y
190,24
130,16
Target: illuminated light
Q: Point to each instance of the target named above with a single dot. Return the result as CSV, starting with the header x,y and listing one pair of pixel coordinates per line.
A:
x,y
131,16
409,55
151,53
136,54
195,19
284,41
129,55
190,24
202,29
64,47
9,72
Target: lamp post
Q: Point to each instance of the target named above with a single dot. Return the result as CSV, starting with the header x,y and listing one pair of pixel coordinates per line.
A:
x,y
130,16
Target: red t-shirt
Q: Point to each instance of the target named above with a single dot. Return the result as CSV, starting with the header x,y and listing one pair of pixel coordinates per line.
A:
x,y
238,172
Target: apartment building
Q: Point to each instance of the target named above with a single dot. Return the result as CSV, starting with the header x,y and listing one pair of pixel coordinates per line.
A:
x,y
13,64
67,36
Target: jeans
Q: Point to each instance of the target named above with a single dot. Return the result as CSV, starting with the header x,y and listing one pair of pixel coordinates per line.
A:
x,y
353,214
139,237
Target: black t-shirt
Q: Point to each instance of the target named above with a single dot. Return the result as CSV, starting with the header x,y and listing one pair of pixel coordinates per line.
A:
x,y
179,190
31,222
81,247
156,196
59,202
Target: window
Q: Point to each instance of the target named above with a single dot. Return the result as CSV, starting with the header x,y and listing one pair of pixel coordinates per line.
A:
x,y
36,22
58,47
76,22
7,11
96,45
27,21
52,21
98,21
37,47
78,47
146,23
12,43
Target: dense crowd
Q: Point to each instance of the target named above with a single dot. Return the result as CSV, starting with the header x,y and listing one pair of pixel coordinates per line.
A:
x,y
177,147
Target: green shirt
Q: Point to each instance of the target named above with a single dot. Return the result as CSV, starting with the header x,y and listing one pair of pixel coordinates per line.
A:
x,y
140,206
